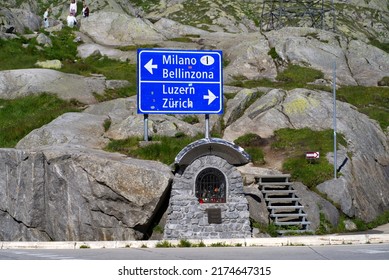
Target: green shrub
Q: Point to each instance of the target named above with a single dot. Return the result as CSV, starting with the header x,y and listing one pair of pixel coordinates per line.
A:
x,y
257,155
164,244
249,140
219,244
158,229
273,53
252,144
191,119
296,76
384,82
107,124
184,243
378,44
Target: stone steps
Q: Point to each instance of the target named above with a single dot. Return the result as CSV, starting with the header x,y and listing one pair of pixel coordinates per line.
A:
x,y
285,209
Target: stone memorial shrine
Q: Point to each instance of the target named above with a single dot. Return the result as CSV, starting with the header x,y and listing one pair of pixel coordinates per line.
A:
x,y
207,199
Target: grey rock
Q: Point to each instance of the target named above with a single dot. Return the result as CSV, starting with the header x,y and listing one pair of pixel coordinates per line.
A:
x,y
76,129
116,110
338,192
314,205
9,20
368,167
50,64
64,194
86,50
257,205
249,58
44,40
367,63
117,29
19,83
173,29
350,225
236,106
125,122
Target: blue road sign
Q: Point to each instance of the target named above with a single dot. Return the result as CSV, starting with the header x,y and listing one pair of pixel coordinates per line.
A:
x,y
180,82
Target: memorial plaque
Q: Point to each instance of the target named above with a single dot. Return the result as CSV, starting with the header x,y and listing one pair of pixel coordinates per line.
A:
x,y
214,215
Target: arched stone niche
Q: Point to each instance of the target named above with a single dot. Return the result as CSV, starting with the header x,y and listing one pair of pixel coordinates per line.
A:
x,y
190,217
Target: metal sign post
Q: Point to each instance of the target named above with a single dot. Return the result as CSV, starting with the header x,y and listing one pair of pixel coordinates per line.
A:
x,y
146,127
206,126
334,121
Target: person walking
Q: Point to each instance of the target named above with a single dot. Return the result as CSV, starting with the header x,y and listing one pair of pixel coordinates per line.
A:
x,y
85,10
71,20
73,7
46,18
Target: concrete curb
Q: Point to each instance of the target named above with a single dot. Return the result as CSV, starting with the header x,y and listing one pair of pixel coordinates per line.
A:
x,y
315,240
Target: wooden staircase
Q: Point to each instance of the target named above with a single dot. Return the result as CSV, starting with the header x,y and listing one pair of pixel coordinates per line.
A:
x,y
284,206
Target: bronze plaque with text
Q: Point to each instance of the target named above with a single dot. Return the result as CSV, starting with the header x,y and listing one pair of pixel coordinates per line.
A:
x,y
214,215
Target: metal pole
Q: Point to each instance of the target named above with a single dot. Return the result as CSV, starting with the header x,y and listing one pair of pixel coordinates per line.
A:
x,y
334,120
333,16
146,127
207,126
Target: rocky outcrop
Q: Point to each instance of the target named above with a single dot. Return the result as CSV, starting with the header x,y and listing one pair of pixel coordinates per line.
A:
x,y
66,193
366,172
116,29
19,83
75,129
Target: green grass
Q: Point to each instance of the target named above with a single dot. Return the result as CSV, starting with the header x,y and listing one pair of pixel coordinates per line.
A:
x,y
164,149
325,226
184,243
164,244
296,142
380,45
191,119
14,56
294,76
146,5
23,53
252,144
372,101
20,116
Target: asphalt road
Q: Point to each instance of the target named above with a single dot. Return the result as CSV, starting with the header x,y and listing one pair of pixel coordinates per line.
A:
x,y
338,252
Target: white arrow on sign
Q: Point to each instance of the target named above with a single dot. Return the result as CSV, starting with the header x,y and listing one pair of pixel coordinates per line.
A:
x,y
211,97
150,66
312,155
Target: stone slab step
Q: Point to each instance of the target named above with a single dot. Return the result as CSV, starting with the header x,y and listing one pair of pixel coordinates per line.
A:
x,y
278,192
294,215
292,223
285,207
282,199
275,184
294,231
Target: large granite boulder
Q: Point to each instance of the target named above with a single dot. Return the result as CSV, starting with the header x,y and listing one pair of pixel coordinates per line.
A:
x,y
118,29
64,193
23,82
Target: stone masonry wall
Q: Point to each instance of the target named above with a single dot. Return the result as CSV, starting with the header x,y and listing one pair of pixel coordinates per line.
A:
x,y
188,218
